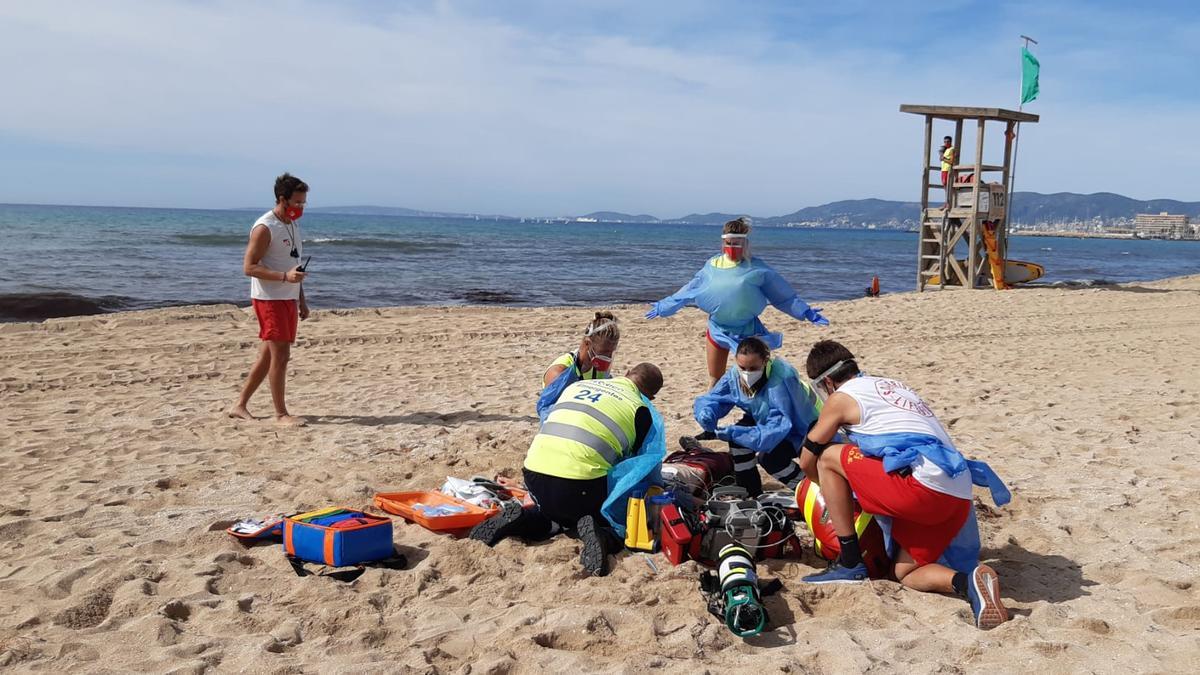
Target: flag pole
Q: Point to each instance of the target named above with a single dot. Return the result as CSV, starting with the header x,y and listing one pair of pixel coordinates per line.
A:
x,y
1012,180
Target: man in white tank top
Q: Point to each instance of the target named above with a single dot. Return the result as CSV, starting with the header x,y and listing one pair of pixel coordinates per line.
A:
x,y
901,464
272,261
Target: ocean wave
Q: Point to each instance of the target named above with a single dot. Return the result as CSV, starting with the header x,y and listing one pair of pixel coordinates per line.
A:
x,y
212,239
397,245
1083,283
55,304
483,296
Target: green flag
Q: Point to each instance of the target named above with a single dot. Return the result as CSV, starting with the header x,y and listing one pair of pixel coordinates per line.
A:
x,y
1029,76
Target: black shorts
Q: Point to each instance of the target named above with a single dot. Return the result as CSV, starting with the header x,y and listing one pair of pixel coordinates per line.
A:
x,y
566,500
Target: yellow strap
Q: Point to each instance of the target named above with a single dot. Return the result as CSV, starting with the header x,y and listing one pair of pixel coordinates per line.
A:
x,y
861,523
318,513
810,500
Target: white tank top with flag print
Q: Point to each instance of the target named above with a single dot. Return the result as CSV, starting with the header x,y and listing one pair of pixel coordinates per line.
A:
x,y
278,258
889,406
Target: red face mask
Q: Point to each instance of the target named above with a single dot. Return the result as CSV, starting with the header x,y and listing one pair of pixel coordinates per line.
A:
x,y
294,212
601,363
734,253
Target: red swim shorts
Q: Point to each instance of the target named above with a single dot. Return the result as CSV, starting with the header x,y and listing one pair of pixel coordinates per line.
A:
x,y
945,175
924,521
277,319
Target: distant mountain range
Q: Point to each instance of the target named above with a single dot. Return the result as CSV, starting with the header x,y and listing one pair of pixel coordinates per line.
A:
x,y
399,211
1029,208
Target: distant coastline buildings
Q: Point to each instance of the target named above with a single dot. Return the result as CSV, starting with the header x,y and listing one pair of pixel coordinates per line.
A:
x,y
1163,225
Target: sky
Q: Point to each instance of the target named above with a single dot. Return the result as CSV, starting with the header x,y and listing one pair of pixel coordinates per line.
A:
x,y
546,107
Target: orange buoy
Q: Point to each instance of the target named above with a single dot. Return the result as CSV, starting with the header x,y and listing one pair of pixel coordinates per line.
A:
x,y
825,542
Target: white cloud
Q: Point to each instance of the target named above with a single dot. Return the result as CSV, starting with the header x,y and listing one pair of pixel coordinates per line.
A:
x,y
439,108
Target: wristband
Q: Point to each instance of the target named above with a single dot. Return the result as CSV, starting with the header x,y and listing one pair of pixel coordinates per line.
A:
x,y
815,447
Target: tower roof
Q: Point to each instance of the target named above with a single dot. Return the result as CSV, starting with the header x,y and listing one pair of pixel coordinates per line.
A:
x,y
955,112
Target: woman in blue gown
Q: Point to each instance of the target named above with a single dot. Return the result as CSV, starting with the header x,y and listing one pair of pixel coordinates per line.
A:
x,y
733,289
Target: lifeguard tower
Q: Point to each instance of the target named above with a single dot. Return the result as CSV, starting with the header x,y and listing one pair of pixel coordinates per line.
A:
x,y
973,205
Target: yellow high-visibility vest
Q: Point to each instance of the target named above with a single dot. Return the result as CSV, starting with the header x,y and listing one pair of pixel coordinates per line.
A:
x,y
588,431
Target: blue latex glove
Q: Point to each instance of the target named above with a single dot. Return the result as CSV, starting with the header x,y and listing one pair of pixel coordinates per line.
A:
x,y
707,420
653,313
813,314
723,434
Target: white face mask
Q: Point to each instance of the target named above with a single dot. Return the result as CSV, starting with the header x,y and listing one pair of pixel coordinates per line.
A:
x,y
750,377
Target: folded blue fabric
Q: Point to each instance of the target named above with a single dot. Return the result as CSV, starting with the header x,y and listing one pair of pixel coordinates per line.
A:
x,y
901,450
635,474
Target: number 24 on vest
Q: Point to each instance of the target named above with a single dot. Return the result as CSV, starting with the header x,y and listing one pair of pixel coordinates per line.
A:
x,y
588,395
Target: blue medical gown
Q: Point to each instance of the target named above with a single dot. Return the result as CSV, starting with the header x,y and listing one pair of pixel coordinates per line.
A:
x,y
634,475
784,409
733,297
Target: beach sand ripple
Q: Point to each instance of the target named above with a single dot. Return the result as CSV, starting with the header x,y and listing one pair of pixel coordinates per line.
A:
x,y
121,472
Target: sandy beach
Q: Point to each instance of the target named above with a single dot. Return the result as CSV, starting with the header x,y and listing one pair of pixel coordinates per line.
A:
x,y
121,472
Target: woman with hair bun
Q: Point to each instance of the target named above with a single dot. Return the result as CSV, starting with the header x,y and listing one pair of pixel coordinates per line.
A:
x,y
591,361
733,289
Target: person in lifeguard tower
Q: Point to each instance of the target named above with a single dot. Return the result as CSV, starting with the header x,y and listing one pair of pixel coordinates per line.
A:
x,y
733,289
902,467
948,157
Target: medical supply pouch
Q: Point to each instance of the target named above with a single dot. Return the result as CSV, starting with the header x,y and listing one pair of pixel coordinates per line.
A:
x,y
338,537
678,529
249,530
717,466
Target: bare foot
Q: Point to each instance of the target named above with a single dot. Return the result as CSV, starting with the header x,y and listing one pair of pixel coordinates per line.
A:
x,y
239,412
290,421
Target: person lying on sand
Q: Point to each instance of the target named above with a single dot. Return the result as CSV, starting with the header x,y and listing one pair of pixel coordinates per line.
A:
x,y
594,426
778,407
900,464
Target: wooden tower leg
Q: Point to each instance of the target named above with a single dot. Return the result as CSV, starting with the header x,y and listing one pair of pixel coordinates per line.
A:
x,y
922,228
975,234
1002,228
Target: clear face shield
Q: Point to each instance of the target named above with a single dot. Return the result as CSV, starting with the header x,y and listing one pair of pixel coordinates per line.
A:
x,y
601,358
601,362
736,247
820,388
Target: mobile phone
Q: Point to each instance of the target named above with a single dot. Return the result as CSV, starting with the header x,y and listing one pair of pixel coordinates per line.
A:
x,y
304,267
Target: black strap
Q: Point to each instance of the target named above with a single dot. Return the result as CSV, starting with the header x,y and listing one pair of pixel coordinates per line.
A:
x,y
815,447
396,562
769,588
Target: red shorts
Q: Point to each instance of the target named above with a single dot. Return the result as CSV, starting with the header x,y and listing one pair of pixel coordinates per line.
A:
x,y
924,521
277,319
945,175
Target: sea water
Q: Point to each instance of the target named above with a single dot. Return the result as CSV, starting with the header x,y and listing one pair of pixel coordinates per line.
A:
x,y
126,258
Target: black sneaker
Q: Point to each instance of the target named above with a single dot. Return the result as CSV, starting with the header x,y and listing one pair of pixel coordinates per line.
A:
x,y
492,530
594,554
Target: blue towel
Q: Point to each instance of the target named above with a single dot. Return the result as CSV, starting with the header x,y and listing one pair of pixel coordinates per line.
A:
x,y
552,391
901,450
